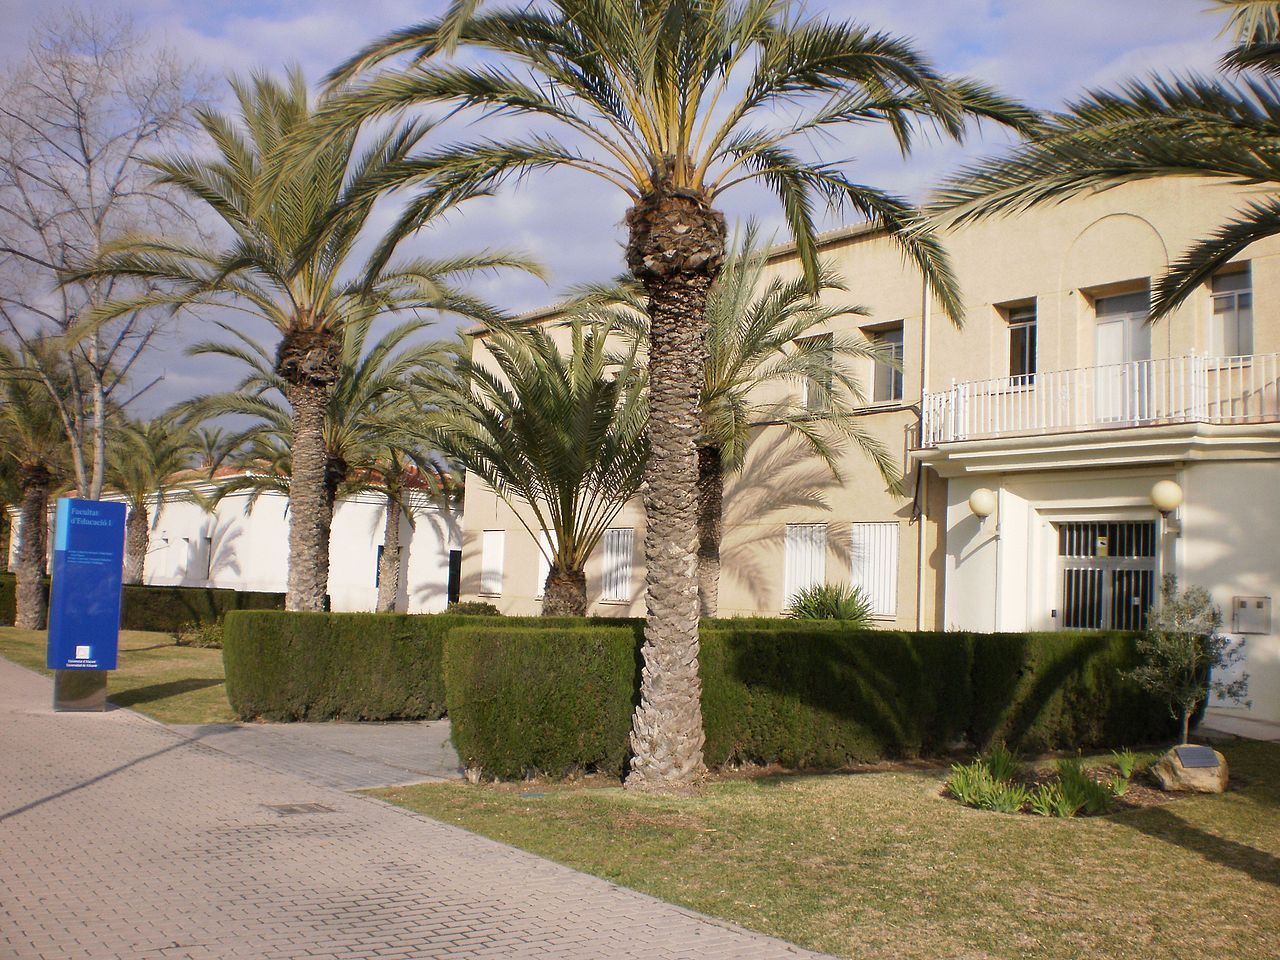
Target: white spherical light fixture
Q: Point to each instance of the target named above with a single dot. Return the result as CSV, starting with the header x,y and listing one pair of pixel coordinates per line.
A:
x,y
1166,496
982,502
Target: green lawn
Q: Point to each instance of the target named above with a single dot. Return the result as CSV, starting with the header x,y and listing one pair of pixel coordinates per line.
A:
x,y
881,865
157,677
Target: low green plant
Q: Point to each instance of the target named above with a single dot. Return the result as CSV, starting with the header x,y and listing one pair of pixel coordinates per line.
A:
x,y
970,783
1001,762
1125,761
1119,786
475,608
833,601
1049,800
1080,790
1005,797
194,633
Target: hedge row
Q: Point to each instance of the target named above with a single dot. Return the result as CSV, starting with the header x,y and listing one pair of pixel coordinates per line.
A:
x,y
147,607
348,666
822,699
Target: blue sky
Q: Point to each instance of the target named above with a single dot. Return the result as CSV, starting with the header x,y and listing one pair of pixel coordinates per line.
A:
x,y
1042,51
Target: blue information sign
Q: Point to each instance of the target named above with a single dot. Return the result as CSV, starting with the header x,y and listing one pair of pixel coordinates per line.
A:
x,y
84,599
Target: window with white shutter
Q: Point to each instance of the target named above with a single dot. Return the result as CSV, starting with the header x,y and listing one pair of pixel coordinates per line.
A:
x,y
873,565
806,558
619,545
492,545
544,565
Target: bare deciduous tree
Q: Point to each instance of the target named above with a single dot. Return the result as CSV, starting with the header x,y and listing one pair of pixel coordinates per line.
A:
x,y
91,100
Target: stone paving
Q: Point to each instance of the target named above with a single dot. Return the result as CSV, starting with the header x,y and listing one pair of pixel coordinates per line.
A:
x,y
348,756
122,838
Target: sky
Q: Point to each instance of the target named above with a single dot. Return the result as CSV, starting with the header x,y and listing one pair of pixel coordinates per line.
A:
x,y
1044,52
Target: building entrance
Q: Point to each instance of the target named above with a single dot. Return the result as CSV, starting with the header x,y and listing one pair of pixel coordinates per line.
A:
x,y
1108,575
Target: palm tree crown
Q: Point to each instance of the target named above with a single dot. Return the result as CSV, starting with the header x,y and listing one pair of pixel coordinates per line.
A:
x,y
1188,125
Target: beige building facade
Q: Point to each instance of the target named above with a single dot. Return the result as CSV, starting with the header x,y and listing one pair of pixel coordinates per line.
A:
x,y
1054,399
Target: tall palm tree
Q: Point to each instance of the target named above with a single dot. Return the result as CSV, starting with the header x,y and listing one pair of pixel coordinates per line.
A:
x,y
368,416
31,437
673,102
762,335
144,461
406,473
1188,126
559,432
294,223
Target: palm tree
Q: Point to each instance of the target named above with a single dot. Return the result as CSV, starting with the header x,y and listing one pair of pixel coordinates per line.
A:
x,y
31,437
761,335
144,461
561,433
294,223
406,472
368,418
1188,126
672,102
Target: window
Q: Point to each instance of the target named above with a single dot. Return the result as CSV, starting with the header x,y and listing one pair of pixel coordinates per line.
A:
x,y
619,545
887,378
1022,344
817,389
208,558
805,560
492,545
873,565
544,564
1232,333
377,567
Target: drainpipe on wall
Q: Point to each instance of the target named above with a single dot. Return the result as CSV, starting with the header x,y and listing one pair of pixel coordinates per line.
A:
x,y
922,481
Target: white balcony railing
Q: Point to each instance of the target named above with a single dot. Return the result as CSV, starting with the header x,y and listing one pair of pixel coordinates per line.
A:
x,y
1173,390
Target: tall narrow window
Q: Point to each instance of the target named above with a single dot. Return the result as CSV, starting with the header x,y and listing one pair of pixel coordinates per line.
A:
x,y
619,546
544,564
805,560
887,377
377,566
1022,344
208,558
873,565
492,545
817,386
1232,334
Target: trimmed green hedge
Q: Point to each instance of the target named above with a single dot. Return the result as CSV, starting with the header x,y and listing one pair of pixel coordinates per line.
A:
x,y
349,666
816,699
514,713
166,609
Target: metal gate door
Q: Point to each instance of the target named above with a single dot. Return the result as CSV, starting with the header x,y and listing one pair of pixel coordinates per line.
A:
x,y
1108,575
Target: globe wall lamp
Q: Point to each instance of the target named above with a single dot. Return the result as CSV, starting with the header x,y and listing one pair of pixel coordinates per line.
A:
x,y
1167,497
982,502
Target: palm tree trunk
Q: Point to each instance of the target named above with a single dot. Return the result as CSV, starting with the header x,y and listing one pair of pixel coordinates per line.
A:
x,y
310,505
675,248
565,593
33,517
710,517
137,538
389,565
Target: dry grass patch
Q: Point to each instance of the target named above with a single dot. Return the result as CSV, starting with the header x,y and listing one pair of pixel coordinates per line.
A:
x,y
157,677
881,864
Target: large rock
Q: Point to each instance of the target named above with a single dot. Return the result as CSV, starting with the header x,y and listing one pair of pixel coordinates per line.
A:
x,y
1173,776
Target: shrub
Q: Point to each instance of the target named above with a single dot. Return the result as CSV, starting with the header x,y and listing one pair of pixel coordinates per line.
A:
x,y
476,608
830,697
1126,762
970,782
164,609
536,700
1080,791
833,601
334,666
1064,690
194,634
1001,762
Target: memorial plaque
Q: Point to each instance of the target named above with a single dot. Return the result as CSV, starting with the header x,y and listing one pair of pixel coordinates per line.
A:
x,y
1191,757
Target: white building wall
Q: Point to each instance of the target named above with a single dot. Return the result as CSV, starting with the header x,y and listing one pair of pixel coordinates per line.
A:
x,y
250,549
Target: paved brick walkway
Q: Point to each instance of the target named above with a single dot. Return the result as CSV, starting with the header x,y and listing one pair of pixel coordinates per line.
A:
x,y
349,756
121,838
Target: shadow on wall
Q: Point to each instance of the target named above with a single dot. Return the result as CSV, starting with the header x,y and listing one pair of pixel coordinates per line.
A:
x,y
777,477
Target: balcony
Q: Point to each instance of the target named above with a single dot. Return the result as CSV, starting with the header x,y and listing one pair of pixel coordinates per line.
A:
x,y
1193,389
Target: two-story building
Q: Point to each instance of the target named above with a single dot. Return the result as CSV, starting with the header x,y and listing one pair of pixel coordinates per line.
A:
x,y
1030,441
